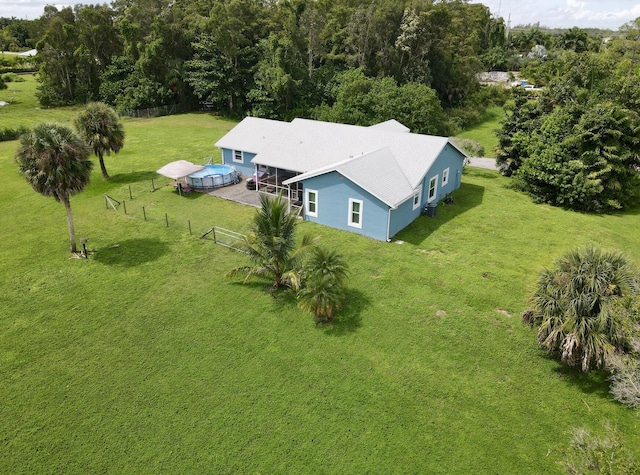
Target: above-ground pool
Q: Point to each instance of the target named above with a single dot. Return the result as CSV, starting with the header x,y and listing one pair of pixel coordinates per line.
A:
x,y
213,176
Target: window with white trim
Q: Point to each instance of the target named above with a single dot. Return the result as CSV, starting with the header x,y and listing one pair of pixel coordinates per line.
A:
x,y
445,177
237,156
355,213
311,203
433,189
417,197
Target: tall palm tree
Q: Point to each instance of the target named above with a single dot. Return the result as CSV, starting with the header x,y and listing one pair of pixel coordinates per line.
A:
x,y
323,292
55,162
101,128
271,245
577,307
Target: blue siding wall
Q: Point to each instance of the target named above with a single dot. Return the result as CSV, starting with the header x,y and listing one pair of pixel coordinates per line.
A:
x,y
246,168
449,158
453,160
403,216
334,192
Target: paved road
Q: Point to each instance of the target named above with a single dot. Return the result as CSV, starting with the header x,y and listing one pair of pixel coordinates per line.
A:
x,y
483,162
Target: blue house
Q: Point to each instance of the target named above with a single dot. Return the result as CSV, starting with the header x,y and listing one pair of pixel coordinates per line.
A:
x,y
368,180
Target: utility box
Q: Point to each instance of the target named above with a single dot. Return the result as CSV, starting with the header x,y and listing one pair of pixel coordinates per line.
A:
x,y
430,210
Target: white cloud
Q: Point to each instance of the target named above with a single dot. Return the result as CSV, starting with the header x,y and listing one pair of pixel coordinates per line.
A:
x,y
32,9
583,13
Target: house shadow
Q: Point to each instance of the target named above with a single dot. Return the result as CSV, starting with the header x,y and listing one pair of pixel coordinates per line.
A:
x,y
131,252
465,198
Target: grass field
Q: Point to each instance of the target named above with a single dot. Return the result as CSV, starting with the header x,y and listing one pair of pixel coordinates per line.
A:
x,y
484,133
24,109
145,359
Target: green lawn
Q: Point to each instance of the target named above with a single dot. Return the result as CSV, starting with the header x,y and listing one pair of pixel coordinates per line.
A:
x,y
24,109
484,133
145,359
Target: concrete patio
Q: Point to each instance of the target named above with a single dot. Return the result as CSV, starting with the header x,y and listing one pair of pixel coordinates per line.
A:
x,y
237,193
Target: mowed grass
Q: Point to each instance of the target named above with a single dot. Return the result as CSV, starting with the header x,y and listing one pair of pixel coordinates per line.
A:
x,y
485,132
145,359
25,110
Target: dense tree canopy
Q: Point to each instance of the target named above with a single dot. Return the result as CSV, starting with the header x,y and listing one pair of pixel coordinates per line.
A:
x,y
356,61
272,59
576,144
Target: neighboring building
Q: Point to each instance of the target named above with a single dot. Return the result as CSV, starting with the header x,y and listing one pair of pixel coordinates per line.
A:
x,y
369,180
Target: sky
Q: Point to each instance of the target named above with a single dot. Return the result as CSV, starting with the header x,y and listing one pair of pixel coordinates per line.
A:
x,y
610,14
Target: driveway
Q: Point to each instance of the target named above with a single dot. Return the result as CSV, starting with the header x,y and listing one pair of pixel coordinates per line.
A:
x,y
483,162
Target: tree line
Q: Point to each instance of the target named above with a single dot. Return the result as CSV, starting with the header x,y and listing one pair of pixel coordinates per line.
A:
x,y
576,144
284,59
277,59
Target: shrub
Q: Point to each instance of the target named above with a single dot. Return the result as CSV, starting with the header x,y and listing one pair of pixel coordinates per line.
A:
x,y
12,77
470,147
585,307
323,292
625,379
8,133
604,455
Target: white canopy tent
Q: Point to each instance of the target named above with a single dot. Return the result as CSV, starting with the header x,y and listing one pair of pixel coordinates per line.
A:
x,y
179,169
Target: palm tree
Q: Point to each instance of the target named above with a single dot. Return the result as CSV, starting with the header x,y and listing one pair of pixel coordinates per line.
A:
x,y
577,307
323,292
55,162
271,245
100,127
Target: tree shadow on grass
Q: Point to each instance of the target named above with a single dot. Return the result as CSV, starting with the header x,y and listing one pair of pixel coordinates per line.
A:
x,y
131,252
467,197
349,318
114,185
633,210
593,382
133,177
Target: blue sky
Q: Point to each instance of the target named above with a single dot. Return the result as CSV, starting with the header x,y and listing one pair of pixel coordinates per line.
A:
x,y
610,14
553,13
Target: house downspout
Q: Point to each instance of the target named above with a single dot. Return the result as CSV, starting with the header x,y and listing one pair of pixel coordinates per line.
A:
x,y
255,174
388,224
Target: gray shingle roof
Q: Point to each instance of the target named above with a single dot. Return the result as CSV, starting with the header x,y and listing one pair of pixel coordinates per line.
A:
x,y
377,172
392,125
387,161
252,134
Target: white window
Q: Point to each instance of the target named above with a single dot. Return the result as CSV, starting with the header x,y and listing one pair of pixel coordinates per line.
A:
x,y
355,213
433,189
417,197
445,177
237,156
311,198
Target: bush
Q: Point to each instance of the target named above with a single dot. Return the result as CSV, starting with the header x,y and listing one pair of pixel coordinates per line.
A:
x,y
7,133
585,307
12,77
625,379
470,147
599,455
